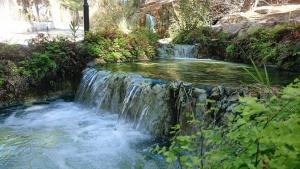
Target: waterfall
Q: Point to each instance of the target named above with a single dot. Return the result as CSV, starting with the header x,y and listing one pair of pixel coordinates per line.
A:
x,y
150,22
177,51
134,98
150,105
185,51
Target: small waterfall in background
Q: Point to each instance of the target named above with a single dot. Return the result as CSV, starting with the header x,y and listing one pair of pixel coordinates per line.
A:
x,y
185,51
150,22
134,98
168,51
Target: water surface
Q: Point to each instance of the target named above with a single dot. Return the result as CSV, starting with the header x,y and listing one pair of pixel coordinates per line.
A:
x,y
196,71
65,135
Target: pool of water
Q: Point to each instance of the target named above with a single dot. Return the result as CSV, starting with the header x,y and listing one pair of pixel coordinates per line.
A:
x,y
200,72
65,135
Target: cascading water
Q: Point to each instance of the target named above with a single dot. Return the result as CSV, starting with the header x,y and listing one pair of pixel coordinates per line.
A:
x,y
168,51
106,128
110,126
66,135
150,22
134,98
185,51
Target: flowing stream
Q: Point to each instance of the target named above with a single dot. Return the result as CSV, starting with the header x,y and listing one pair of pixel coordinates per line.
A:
x,y
118,111
65,135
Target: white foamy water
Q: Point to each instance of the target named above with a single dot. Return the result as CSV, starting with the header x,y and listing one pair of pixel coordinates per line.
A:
x,y
65,135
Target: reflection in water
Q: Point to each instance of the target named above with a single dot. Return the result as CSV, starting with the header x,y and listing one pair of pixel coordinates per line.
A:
x,y
65,135
200,72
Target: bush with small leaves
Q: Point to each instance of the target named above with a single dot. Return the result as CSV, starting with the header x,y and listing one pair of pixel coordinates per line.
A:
x,y
261,134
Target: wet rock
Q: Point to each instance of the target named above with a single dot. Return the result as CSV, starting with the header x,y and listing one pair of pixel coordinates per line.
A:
x,y
231,108
217,92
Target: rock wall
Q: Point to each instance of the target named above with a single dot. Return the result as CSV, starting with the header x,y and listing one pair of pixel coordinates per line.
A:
x,y
161,10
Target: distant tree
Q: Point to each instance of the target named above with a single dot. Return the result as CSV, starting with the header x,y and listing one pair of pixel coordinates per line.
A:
x,y
72,4
110,13
190,14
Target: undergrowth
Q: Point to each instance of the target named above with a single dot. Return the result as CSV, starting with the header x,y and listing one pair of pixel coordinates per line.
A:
x,y
263,133
278,45
114,46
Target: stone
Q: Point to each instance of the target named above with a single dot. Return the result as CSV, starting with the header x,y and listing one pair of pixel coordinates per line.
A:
x,y
262,11
234,98
217,92
232,19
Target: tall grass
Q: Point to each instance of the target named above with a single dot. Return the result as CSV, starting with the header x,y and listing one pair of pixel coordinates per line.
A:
x,y
258,76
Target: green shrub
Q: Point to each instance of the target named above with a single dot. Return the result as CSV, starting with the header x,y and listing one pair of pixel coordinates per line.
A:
x,y
275,45
46,63
38,66
91,49
67,55
114,46
143,42
230,49
265,134
261,134
145,34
